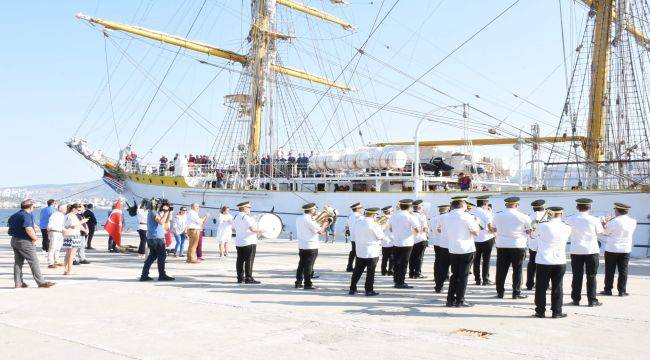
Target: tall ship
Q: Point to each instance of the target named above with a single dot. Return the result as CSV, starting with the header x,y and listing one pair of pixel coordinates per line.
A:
x,y
290,136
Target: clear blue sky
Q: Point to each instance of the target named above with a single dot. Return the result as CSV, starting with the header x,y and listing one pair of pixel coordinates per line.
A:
x,y
52,64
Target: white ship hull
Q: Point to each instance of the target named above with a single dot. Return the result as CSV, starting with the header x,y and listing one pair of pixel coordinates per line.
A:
x,y
287,204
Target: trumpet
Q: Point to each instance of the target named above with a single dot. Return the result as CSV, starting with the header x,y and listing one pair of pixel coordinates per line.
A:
x,y
383,219
328,214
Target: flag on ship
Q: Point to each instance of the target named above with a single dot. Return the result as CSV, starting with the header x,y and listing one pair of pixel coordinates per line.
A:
x,y
114,223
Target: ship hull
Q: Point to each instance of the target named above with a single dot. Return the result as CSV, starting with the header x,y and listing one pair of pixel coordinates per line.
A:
x,y
287,204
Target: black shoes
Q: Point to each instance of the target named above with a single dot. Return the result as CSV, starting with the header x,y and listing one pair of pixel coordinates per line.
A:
x,y
519,296
403,286
389,273
500,296
383,273
239,281
595,303
84,262
297,285
437,291
145,278
606,292
349,269
449,304
559,315
310,287
478,282
75,262
251,281
539,315
90,248
352,292
315,277
166,278
372,293
623,294
463,304
576,303
488,282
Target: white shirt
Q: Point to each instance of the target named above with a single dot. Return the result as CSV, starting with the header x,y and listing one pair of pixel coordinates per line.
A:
x,y
511,226
72,222
484,218
243,234
369,235
552,237
179,224
307,232
142,218
224,227
435,226
56,221
458,224
352,220
585,229
619,233
387,241
535,218
444,238
423,224
194,220
402,224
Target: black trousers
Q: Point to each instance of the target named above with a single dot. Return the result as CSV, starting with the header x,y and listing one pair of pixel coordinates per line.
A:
x,y
245,260
305,268
530,269
351,256
401,255
483,253
156,252
440,266
386,259
111,244
91,234
579,265
505,258
143,241
416,258
46,240
544,274
615,261
361,264
460,264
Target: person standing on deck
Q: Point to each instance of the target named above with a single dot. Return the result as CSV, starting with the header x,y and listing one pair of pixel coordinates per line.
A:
x,y
179,230
156,221
307,232
404,227
538,215
44,218
441,248
619,233
369,236
461,228
55,231
387,260
195,226
92,225
421,242
357,214
224,230
484,241
142,215
246,243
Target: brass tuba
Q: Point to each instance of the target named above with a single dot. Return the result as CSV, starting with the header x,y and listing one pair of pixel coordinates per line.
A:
x,y
383,219
328,213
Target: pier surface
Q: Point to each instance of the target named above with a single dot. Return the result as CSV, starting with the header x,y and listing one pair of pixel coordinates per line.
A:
x,y
103,312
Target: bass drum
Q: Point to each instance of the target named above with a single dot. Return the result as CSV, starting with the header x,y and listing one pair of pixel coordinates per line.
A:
x,y
270,225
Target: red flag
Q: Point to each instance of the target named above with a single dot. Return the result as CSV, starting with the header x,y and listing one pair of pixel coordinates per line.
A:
x,y
114,223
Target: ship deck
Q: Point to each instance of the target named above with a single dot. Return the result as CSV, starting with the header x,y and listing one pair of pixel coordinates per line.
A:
x,y
103,312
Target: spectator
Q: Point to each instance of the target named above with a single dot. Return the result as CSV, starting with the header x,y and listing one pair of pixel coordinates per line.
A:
x,y
44,218
163,164
195,226
142,215
55,232
72,236
92,225
179,230
23,237
224,230
84,238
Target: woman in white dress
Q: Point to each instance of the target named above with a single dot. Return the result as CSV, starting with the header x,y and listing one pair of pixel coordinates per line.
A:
x,y
224,230
72,235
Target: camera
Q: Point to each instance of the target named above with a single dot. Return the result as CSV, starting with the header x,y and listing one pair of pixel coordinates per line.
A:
x,y
157,204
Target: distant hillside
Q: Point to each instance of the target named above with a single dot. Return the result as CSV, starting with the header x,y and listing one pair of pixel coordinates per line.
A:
x,y
95,191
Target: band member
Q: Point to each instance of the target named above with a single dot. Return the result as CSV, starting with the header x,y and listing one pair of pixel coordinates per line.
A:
x,y
441,248
404,227
585,252
245,243
538,215
357,214
552,237
421,242
387,244
307,231
368,237
513,229
484,241
619,233
460,229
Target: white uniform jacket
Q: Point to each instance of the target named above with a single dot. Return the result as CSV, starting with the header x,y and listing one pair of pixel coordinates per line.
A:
x,y
307,232
512,226
484,217
619,232
402,224
244,236
458,224
585,229
369,236
552,237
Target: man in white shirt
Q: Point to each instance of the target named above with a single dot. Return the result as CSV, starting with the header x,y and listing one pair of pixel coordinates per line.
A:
x,y
195,225
461,228
552,237
404,226
513,229
421,242
142,214
538,215
585,251
441,249
484,241
55,226
387,244
619,233
368,237
357,214
245,243
307,231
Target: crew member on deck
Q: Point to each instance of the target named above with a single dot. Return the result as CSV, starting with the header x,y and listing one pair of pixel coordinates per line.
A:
x,y
484,241
421,242
619,233
585,251
461,228
246,243
307,231
404,227
368,237
387,244
538,215
513,229
441,248
552,237
357,214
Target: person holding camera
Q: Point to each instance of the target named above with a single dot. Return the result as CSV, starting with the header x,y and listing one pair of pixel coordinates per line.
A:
x,y
156,219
